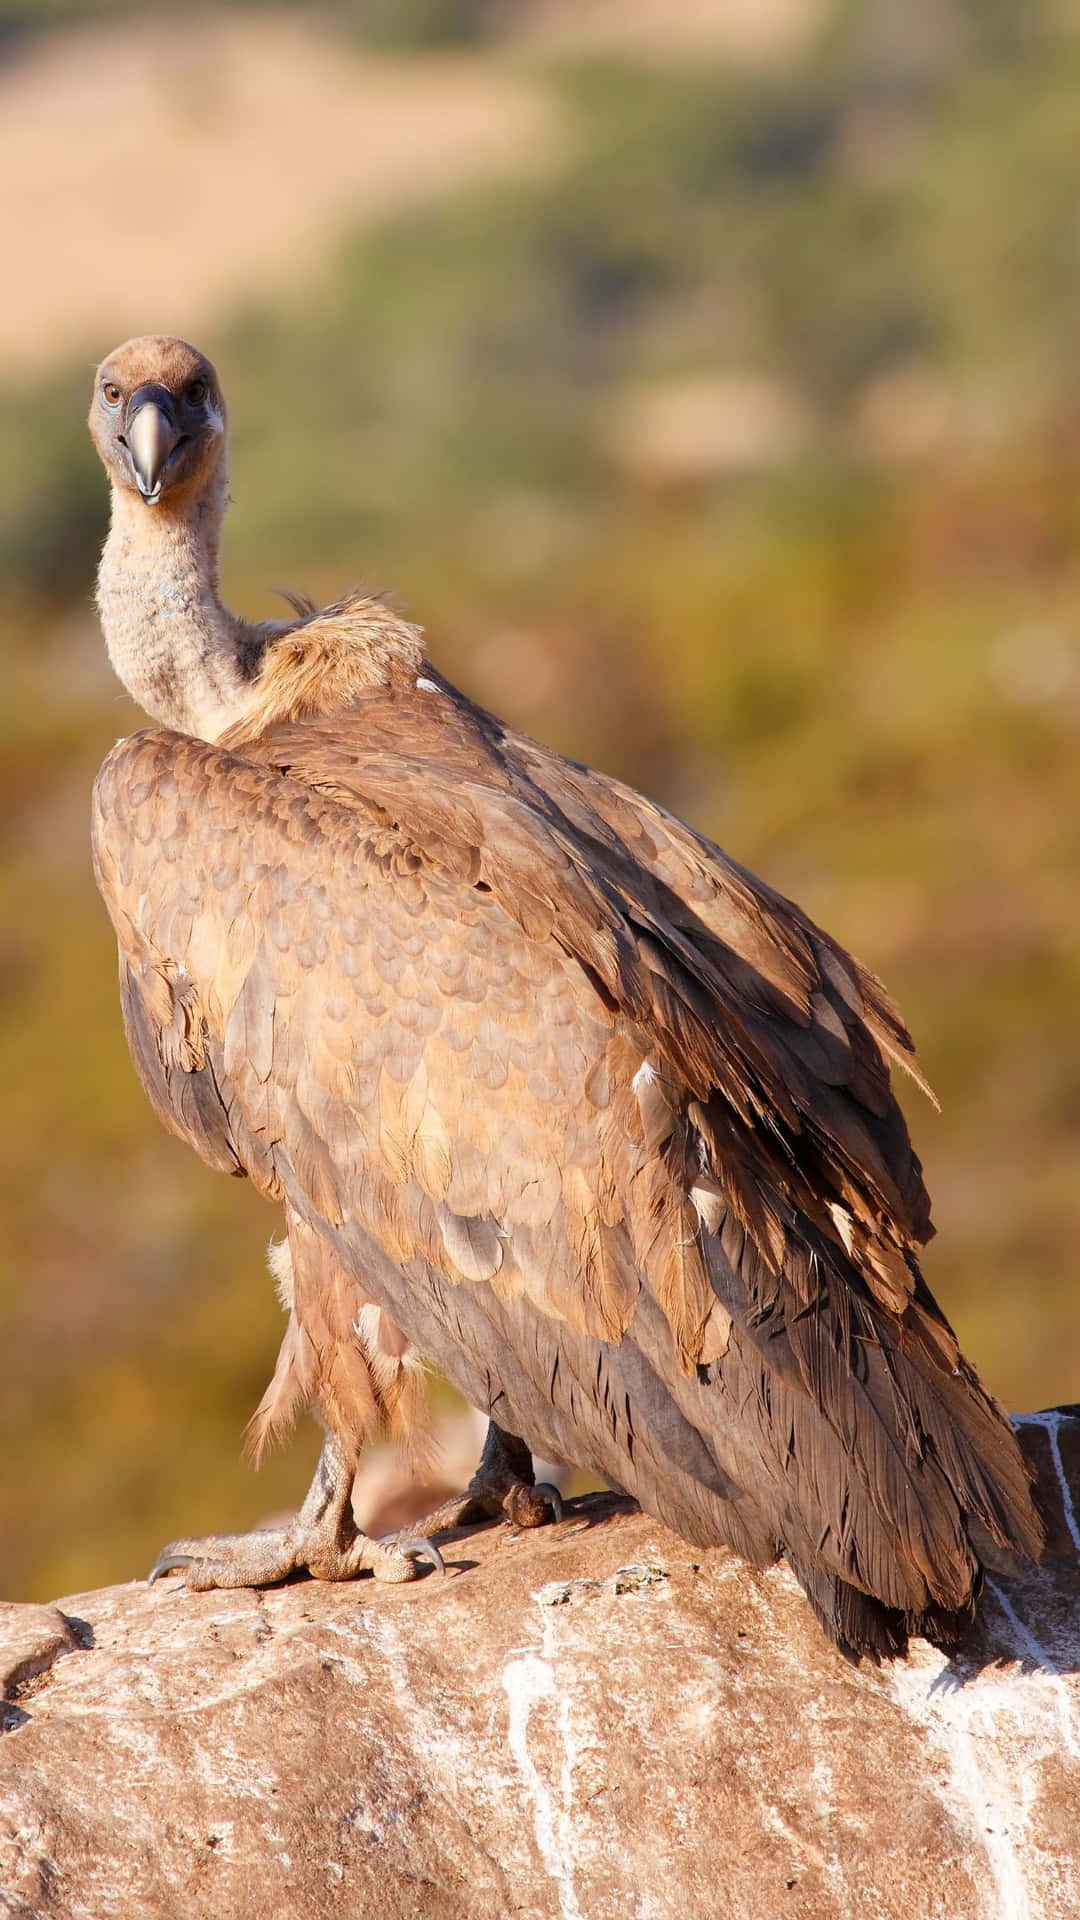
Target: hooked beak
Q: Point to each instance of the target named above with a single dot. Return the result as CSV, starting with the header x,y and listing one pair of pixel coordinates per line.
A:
x,y
152,438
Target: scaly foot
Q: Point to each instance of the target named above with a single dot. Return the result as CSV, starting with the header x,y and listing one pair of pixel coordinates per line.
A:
x,y
323,1539
502,1488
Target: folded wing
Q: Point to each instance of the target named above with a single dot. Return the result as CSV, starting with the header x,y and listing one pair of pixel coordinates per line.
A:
x,y
601,1121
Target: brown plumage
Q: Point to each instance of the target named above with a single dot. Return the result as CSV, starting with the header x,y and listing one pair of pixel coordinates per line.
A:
x,y
552,1091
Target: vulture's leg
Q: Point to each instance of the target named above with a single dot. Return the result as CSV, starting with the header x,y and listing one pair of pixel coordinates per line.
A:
x,y
323,1538
502,1488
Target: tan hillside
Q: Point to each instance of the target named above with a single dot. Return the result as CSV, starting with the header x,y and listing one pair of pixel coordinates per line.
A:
x,y
207,185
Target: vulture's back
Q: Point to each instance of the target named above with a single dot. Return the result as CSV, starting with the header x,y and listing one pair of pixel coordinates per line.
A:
x,y
604,1122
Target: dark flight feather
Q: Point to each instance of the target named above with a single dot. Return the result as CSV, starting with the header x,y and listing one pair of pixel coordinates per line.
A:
x,y
601,1122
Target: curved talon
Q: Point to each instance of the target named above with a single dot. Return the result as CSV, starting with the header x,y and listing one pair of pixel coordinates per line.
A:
x,y
552,1496
169,1563
420,1549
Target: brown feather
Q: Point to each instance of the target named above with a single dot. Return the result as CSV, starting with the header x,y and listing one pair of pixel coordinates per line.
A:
x,y
564,1098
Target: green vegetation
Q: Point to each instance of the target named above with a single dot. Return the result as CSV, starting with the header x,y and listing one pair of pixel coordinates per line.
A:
x,y
856,664
395,24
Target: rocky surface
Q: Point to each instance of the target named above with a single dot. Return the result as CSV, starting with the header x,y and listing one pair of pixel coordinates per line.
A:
x,y
585,1722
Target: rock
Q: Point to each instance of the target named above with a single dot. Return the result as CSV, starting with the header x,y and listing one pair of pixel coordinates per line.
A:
x,y
31,1639
585,1722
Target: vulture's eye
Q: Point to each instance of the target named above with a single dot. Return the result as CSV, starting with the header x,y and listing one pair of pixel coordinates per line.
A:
x,y
197,393
111,394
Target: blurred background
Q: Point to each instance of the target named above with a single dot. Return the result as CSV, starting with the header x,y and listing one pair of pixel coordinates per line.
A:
x,y
705,376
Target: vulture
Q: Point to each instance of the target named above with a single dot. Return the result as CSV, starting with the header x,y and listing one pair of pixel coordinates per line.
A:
x,y
553,1094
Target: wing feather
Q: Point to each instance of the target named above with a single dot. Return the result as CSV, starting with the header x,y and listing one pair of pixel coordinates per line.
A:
x,y
604,1124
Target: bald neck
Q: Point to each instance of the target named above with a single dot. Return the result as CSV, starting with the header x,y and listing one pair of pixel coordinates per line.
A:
x,y
183,656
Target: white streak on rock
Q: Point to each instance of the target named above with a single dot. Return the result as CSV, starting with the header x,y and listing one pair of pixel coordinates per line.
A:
x,y
527,1681
996,1730
452,1760
1043,1659
1051,1423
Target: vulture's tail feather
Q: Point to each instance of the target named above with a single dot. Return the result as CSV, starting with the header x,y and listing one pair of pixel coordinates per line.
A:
x,y
864,1628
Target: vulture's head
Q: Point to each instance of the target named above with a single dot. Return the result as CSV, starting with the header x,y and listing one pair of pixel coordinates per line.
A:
x,y
157,417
